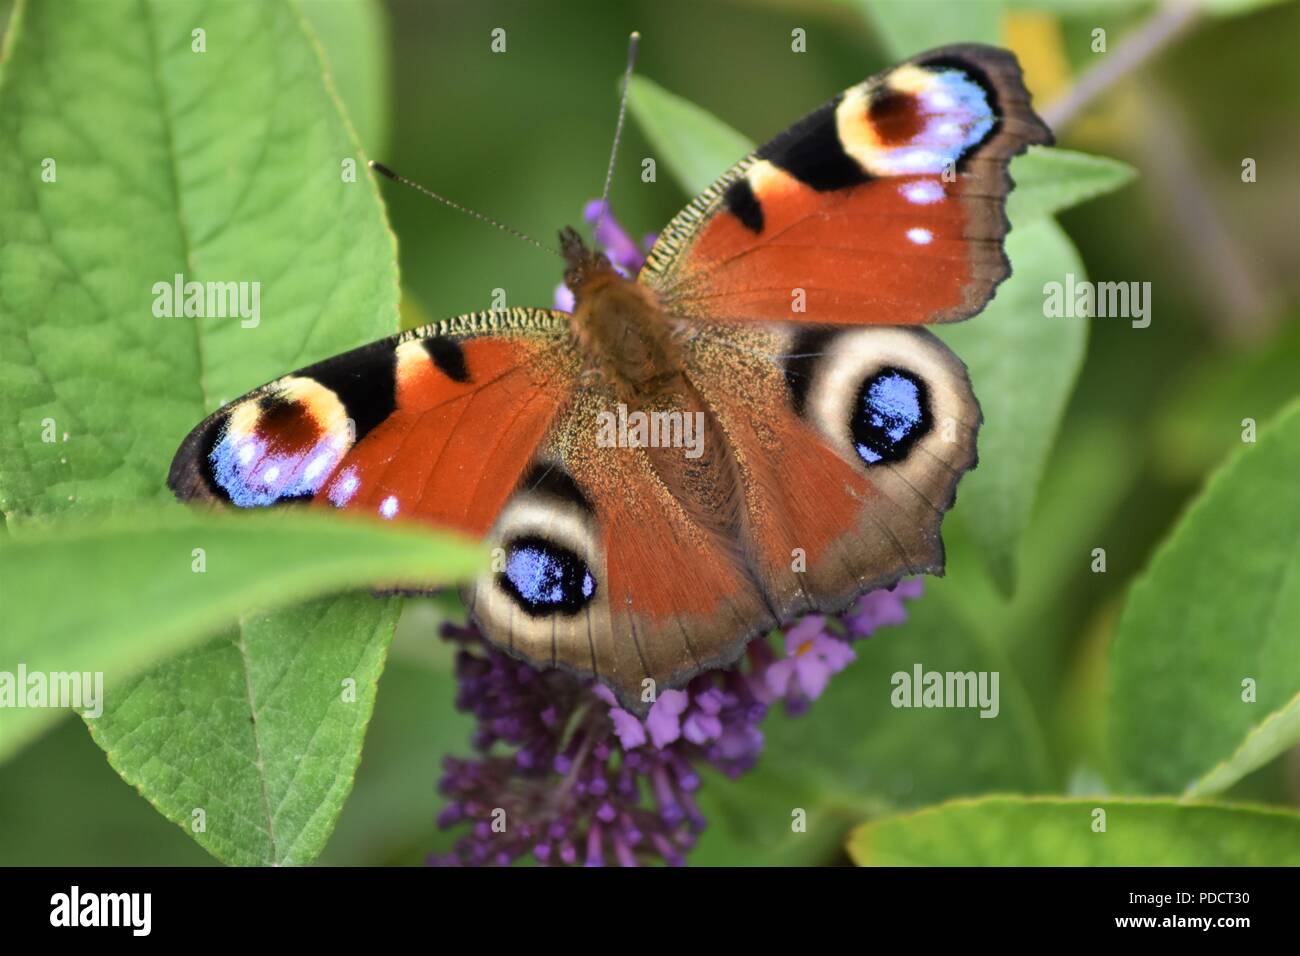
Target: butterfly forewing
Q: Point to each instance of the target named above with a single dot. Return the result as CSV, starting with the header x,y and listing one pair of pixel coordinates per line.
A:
x,y
884,206
435,425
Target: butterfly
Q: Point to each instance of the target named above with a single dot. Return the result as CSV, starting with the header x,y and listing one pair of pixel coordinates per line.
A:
x,y
777,319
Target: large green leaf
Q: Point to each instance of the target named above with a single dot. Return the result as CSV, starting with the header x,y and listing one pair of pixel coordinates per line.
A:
x,y
1218,607
227,165
1017,831
855,754
354,35
139,597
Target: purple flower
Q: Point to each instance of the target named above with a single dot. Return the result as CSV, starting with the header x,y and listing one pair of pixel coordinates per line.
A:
x,y
613,240
881,608
812,656
564,300
564,775
630,731
663,723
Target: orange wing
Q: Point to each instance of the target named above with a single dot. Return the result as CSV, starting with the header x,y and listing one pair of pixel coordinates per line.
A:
x,y
436,425
884,206
849,444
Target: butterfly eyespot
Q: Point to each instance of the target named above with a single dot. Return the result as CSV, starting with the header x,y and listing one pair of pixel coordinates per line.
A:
x,y
280,446
545,578
891,414
896,116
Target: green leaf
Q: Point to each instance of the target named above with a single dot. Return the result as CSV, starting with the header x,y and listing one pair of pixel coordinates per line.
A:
x,y
154,603
227,165
1218,606
693,144
1275,734
854,753
908,28
263,729
1051,180
1018,831
1023,366
354,36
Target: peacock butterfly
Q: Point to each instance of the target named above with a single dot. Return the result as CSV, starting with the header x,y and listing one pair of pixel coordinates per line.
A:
x,y
778,312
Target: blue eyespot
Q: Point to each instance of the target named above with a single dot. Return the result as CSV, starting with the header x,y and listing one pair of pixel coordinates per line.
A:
x,y
272,448
545,578
255,472
890,415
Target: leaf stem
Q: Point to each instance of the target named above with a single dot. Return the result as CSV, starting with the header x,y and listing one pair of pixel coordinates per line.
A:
x,y
1171,20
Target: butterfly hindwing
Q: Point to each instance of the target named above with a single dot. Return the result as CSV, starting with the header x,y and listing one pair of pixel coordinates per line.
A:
x,y
849,443
884,206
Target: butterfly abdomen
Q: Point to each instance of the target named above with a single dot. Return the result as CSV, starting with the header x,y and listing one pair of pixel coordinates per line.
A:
x,y
629,341
626,336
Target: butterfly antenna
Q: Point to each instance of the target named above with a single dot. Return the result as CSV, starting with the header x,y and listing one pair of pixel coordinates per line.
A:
x,y
632,42
384,170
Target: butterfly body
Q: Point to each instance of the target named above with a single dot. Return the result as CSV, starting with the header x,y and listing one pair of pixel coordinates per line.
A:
x,y
619,326
750,429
